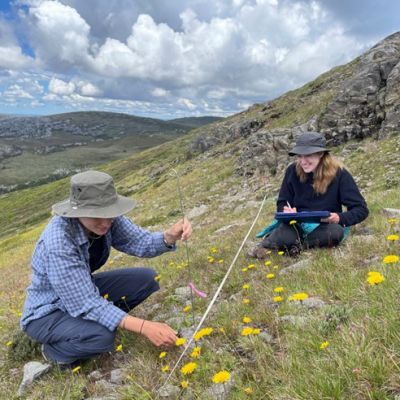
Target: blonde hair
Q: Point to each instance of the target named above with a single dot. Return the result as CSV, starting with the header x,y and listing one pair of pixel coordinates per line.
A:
x,y
323,174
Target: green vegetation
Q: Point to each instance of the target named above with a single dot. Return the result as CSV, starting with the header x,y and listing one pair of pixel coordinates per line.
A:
x,y
359,321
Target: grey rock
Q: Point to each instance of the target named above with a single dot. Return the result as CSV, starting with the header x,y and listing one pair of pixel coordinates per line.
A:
x,y
33,370
95,375
169,392
391,212
266,337
197,211
221,391
184,292
300,265
297,320
117,376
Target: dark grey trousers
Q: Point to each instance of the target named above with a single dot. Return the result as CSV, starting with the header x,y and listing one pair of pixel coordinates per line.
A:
x,y
67,339
286,236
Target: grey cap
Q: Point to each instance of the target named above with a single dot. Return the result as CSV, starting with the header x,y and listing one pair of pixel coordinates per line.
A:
x,y
309,143
93,195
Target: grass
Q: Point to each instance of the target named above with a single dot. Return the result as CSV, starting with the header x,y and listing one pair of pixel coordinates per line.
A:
x,y
359,321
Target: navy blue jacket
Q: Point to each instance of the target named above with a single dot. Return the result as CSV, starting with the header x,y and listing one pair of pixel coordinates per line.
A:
x,y
342,191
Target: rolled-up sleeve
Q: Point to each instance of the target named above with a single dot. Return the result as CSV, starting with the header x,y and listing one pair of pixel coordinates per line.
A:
x,y
136,241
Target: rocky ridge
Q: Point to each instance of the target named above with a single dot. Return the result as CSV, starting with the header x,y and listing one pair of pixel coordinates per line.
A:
x,y
355,101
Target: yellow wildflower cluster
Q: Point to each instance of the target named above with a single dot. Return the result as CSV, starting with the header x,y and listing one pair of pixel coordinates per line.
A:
x,y
375,277
221,377
188,368
390,259
203,332
298,296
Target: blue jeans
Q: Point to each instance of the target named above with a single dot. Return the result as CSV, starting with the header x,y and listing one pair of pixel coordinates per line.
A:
x,y
68,339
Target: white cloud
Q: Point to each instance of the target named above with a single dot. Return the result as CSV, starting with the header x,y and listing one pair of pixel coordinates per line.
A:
x,y
16,92
58,86
159,92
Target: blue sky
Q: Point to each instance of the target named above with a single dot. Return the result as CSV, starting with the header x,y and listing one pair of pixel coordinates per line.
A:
x,y
173,59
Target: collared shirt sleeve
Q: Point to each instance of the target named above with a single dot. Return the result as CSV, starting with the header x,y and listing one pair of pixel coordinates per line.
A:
x,y
136,241
70,278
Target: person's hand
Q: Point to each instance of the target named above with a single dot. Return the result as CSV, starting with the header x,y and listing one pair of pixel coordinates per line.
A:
x,y
159,333
181,230
287,209
332,219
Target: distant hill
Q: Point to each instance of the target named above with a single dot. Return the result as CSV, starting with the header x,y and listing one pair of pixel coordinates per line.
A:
x,y
80,139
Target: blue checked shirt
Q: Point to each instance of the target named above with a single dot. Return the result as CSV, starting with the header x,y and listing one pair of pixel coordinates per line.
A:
x,y
61,277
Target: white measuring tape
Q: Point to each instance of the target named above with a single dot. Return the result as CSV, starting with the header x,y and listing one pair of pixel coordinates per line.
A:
x,y
213,299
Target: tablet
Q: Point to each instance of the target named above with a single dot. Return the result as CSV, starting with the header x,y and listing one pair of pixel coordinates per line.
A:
x,y
302,216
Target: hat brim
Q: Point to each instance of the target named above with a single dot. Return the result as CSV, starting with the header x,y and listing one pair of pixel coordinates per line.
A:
x,y
120,207
306,150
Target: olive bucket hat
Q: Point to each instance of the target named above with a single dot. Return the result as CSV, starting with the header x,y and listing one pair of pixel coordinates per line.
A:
x,y
93,195
309,143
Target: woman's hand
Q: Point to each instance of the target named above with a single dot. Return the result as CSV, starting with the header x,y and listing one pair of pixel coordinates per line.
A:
x,y
287,209
181,230
332,219
159,333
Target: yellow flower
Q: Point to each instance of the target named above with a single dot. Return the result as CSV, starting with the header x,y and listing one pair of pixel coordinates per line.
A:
x,y
188,368
221,377
278,289
244,269
165,368
251,266
162,354
187,308
292,222
246,286
375,277
196,352
391,259
180,341
247,331
324,345
184,384
270,276
157,278
76,369
119,347
203,332
392,237
277,299
106,296
246,301
248,390
298,297
246,320
281,253
266,263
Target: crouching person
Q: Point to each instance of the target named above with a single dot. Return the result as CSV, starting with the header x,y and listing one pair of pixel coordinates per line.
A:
x,y
64,308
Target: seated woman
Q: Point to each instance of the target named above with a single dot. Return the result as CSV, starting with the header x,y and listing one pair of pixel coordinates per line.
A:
x,y
315,182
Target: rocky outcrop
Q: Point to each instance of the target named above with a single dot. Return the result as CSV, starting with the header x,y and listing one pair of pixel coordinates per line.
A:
x,y
356,101
368,103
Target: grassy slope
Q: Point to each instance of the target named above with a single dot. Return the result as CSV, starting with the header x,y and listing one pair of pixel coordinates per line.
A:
x,y
362,360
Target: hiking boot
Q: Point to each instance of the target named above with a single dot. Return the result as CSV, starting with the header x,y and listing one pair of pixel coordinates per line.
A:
x,y
258,252
62,365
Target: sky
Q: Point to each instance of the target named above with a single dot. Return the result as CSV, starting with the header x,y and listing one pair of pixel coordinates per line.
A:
x,y
172,59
